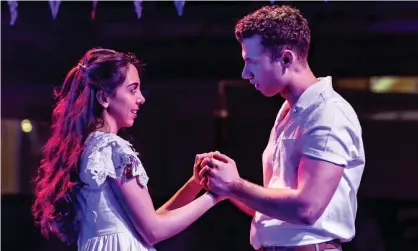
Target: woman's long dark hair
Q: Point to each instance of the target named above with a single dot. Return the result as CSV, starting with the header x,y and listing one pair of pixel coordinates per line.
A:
x,y
76,114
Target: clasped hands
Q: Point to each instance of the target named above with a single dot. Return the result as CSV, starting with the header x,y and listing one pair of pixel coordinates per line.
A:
x,y
216,172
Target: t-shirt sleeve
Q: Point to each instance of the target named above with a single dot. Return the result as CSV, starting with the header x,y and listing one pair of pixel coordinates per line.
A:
x,y
330,136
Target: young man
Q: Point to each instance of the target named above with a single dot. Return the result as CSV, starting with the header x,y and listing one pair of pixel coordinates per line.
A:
x,y
314,159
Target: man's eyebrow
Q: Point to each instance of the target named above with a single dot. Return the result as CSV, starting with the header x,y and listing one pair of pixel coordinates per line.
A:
x,y
249,59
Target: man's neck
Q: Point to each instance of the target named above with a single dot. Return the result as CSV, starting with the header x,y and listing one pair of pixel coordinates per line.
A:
x,y
299,84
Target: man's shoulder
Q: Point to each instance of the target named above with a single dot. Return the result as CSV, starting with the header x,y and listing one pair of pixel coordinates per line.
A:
x,y
331,101
331,108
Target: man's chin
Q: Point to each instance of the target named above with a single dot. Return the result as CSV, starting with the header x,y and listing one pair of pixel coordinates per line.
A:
x,y
268,94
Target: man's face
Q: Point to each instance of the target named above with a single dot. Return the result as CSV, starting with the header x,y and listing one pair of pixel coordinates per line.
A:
x,y
266,75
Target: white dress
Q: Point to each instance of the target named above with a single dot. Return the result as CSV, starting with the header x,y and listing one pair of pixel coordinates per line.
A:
x,y
105,226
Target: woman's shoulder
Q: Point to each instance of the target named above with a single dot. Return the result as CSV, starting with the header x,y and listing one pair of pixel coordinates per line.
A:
x,y
97,140
107,154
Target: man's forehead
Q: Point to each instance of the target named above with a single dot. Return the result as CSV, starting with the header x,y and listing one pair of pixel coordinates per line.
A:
x,y
251,47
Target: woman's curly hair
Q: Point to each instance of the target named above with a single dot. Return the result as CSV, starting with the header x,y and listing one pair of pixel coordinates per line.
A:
x,y
77,113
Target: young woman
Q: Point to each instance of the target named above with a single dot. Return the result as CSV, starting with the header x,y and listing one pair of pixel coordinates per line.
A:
x,y
91,185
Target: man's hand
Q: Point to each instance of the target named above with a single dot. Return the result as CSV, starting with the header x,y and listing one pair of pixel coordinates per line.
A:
x,y
221,173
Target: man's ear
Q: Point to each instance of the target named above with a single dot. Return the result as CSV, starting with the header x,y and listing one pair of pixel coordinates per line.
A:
x,y
102,99
287,58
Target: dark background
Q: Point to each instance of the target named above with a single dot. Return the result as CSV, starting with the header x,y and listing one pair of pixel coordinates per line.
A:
x,y
186,58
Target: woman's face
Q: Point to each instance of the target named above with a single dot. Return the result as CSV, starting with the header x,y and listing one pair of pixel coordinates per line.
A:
x,y
123,106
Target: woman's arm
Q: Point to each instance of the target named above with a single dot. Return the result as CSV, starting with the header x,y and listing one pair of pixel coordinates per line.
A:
x,y
154,227
244,208
186,194
189,191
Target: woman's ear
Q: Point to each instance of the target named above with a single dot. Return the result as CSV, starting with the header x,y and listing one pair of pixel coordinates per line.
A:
x,y
102,99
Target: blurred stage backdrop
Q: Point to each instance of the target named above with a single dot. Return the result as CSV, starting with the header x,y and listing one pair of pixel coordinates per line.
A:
x,y
196,102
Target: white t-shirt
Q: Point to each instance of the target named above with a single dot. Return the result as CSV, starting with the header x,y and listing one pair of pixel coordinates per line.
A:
x,y
321,125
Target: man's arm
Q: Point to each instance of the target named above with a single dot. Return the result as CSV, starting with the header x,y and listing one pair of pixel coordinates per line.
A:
x,y
317,182
330,141
325,152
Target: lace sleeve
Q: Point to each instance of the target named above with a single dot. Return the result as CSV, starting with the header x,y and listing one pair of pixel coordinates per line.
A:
x,y
127,165
118,161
